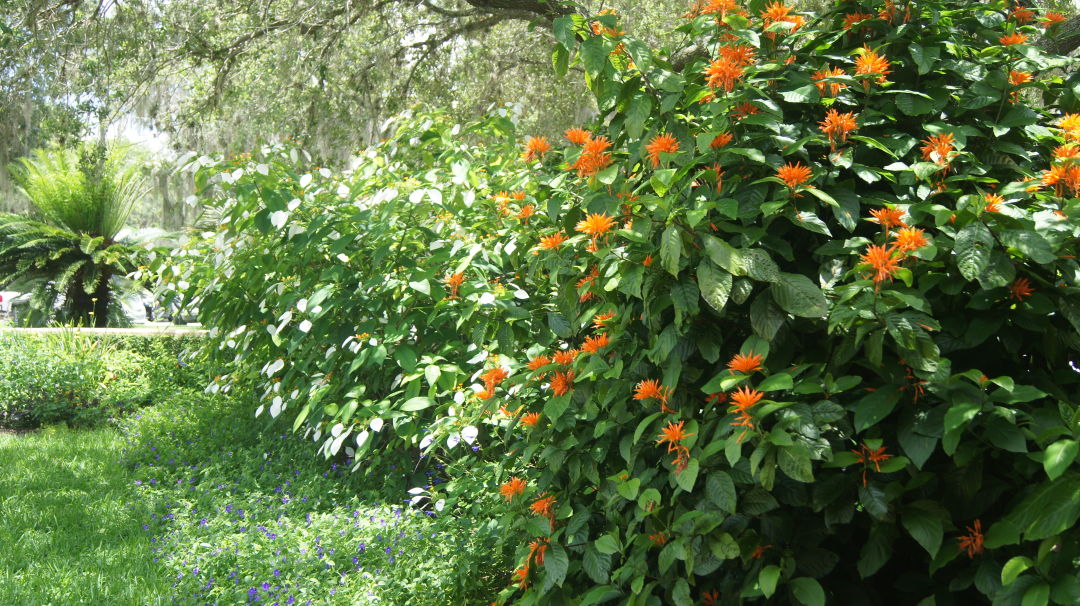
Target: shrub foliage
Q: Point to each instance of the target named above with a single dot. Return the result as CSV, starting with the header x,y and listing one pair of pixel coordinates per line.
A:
x,y
795,321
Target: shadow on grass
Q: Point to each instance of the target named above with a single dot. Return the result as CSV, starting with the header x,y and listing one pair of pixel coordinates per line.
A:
x,y
69,530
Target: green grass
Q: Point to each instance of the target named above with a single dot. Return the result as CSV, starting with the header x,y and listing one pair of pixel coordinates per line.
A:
x,y
69,532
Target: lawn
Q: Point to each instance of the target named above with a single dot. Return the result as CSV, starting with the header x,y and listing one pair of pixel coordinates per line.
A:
x,y
70,532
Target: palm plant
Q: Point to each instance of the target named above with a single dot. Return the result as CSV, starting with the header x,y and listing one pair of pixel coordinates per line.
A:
x,y
69,255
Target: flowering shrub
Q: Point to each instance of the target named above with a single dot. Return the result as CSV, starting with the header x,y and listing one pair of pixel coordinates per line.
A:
x,y
797,313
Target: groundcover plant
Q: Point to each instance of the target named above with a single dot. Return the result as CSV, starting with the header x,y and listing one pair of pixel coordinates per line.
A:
x,y
794,321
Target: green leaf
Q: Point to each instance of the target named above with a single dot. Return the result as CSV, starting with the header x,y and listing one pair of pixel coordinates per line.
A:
x,y
956,419
597,565
681,594
746,152
1021,115
726,256
559,324
720,490
649,499
804,94
768,578
724,547
873,408
671,249
661,180
795,463
414,404
1059,456
1013,568
607,544
715,284
760,266
925,527
807,591
973,245
876,550
824,197
556,406
556,562
599,595
765,318
1037,595
924,57
777,382
798,296
1048,510
564,31
1028,242
594,55
560,60
687,477
912,105
638,113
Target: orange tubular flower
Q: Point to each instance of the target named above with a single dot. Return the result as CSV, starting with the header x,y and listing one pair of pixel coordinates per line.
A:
x,y
909,239
565,357
720,140
651,389
743,110
993,203
563,383
870,64
454,281
744,398
745,364
673,434
594,157
851,19
710,598
836,126
536,551
521,575
658,538
586,283
1066,153
526,211
794,175
937,149
512,488
554,241
723,73
595,225
778,12
1022,15
1070,125
493,377
663,143
544,506
538,362
882,260
868,457
535,148
578,136
595,343
1016,77
530,419
739,54
829,89
888,217
1020,288
1012,39
972,543
759,552
599,321
1052,18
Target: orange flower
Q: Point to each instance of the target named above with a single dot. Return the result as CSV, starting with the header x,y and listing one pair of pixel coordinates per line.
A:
x,y
521,575
595,225
594,157
647,261
658,538
563,383
778,12
544,506
794,175
512,488
1070,124
578,136
882,260
553,241
739,54
887,12
538,362
972,542
536,551
535,148
938,148
720,140
745,364
993,203
888,217
710,598
1022,15
743,110
909,239
1020,288
716,398
599,321
493,377
586,283
530,419
1067,152
759,552
663,143
744,398
651,389
595,343
526,211
518,195
837,126
1012,39
454,281
869,63
565,357
1052,18
866,456
1016,77
723,73
1056,177
851,19
721,7
673,434
832,88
